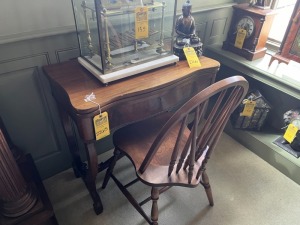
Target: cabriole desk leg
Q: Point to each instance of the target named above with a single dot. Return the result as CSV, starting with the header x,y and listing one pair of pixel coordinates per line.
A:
x,y
77,164
90,178
87,173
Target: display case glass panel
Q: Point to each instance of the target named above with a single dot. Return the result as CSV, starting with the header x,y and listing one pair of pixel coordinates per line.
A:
x,y
120,38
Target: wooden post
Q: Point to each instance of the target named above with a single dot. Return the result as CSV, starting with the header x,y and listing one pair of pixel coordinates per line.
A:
x,y
16,198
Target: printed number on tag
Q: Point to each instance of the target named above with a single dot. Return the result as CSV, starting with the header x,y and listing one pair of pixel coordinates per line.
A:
x,y
101,125
240,38
290,133
249,107
191,57
141,22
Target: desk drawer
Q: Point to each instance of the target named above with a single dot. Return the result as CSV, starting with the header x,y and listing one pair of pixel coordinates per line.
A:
x,y
146,105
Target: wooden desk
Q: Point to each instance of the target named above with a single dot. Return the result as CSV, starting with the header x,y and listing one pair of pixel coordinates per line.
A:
x,y
126,101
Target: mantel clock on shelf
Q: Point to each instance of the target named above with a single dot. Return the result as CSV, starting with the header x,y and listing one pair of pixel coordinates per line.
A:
x,y
249,30
121,38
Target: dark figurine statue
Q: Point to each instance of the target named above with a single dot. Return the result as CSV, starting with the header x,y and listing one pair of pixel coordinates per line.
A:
x,y
186,32
185,24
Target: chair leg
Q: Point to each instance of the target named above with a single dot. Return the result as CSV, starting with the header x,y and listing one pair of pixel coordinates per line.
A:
x,y
154,210
110,168
131,199
205,182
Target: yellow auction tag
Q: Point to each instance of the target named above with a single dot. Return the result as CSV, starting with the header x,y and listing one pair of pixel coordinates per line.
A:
x,y
290,133
249,107
101,126
240,38
141,22
191,57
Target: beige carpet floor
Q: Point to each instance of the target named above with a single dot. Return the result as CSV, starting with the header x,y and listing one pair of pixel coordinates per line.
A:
x,y
246,190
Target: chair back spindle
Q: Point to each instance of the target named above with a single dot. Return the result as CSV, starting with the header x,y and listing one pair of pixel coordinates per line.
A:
x,y
206,114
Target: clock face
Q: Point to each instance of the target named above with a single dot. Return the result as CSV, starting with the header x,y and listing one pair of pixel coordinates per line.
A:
x,y
246,23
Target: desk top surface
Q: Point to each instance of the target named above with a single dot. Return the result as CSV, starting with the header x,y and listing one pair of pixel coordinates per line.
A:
x,y
73,82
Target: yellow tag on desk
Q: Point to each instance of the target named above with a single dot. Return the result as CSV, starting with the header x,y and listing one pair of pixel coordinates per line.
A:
x,y
290,133
240,38
249,107
191,57
141,22
101,126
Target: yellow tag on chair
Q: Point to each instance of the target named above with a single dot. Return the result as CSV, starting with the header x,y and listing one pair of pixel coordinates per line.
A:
x,y
101,125
240,38
141,22
290,133
191,57
249,107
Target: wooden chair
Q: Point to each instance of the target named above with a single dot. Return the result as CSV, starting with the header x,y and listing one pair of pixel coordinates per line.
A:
x,y
172,149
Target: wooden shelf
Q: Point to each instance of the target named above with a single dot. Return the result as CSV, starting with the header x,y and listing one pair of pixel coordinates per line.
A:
x,y
261,143
255,69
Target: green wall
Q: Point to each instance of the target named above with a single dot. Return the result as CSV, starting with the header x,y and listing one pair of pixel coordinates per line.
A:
x,y
32,37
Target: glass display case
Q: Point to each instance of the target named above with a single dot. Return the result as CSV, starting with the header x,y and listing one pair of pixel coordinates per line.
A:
x,y
121,38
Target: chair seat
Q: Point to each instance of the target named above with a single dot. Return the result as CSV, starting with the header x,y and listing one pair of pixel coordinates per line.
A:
x,y
135,141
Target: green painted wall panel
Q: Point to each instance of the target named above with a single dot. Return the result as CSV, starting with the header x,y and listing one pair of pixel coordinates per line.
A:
x,y
26,104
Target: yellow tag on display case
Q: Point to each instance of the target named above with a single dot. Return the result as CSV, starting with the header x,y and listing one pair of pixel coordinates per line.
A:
x,y
240,38
141,22
249,107
101,125
191,57
290,133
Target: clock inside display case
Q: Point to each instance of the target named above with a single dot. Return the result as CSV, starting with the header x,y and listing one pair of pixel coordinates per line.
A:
x,y
121,38
249,30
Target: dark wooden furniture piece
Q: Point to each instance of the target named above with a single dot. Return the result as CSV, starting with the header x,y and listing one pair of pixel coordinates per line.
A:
x,y
290,45
174,148
16,198
258,28
23,199
126,101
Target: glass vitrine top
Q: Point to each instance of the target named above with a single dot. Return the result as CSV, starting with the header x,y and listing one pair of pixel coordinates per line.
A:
x,y
124,36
